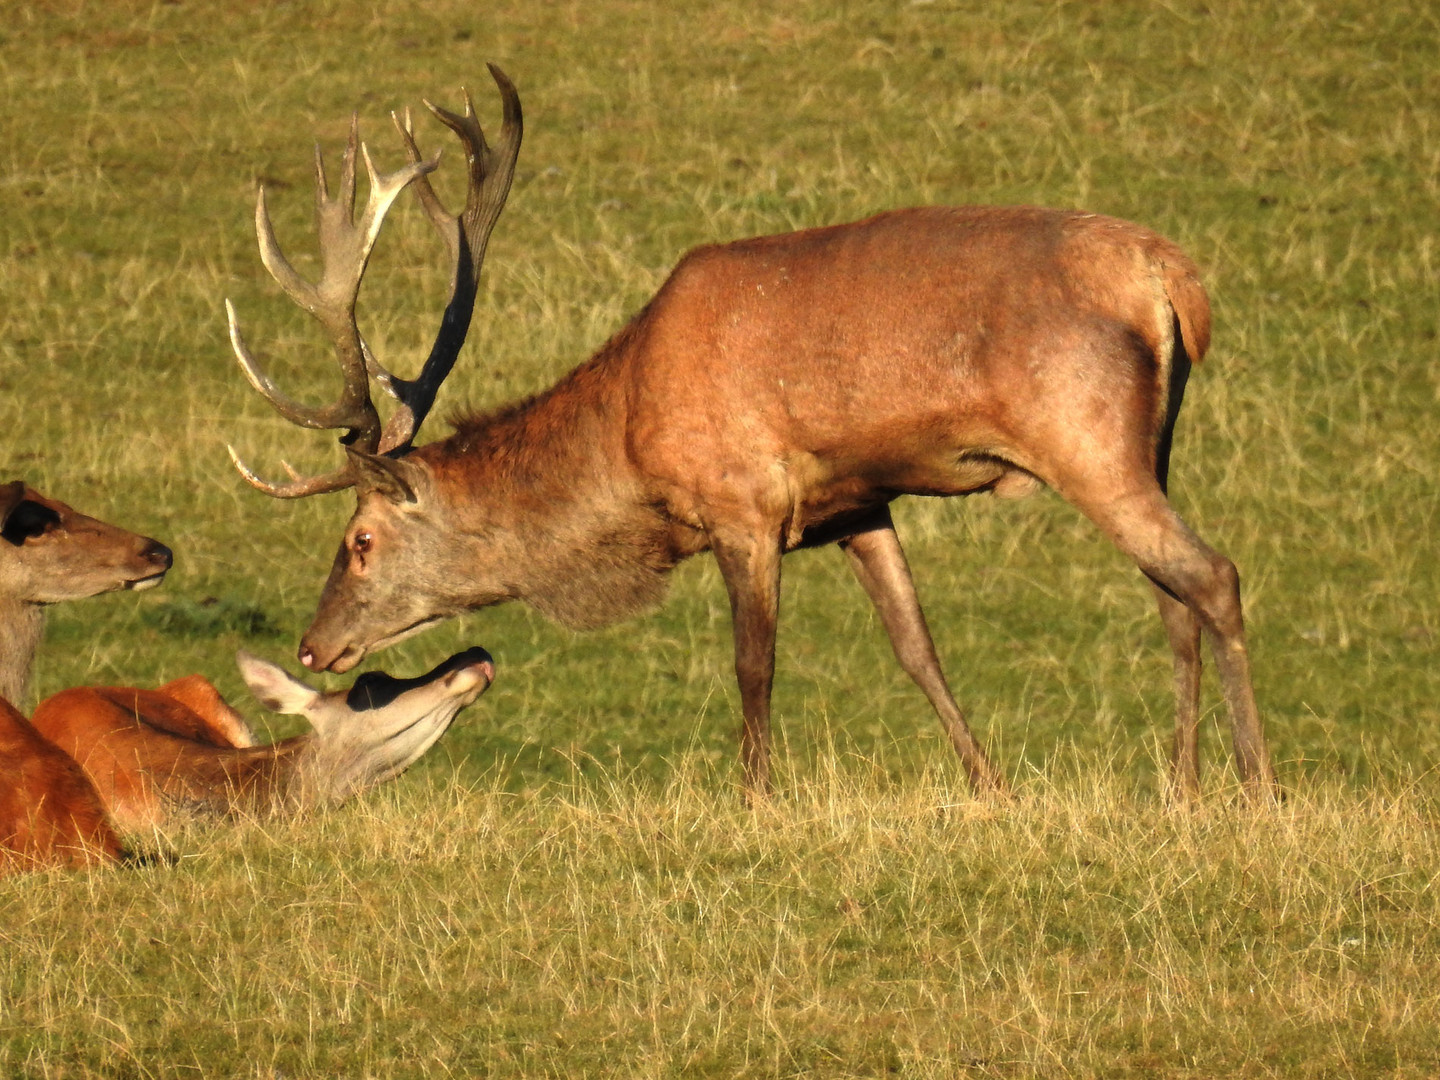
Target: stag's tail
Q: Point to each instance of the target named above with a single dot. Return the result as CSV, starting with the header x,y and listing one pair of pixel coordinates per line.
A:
x,y
1190,308
1188,301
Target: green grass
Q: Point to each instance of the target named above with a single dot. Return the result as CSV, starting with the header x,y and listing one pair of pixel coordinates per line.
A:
x,y
511,906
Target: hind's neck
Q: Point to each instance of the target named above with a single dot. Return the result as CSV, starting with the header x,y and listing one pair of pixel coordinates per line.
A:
x,y
21,625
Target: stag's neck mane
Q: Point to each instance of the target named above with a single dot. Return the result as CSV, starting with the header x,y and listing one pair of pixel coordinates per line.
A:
x,y
21,626
573,422
595,546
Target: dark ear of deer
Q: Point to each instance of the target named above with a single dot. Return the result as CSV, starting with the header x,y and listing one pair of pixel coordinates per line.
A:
x,y
375,472
345,246
11,495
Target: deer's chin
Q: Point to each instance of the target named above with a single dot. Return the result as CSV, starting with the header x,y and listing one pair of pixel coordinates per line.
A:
x,y
351,654
347,660
409,631
141,584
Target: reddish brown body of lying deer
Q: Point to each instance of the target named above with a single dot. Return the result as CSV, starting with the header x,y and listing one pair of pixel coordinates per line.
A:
x,y
151,753
779,393
50,813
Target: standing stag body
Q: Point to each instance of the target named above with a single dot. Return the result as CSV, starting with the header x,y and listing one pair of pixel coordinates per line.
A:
x,y
779,393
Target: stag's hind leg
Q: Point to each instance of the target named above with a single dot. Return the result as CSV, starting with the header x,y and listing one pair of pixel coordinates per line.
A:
x,y
1144,526
1182,627
879,563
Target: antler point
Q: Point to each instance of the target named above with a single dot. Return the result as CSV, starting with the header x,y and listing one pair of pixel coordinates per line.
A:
x,y
245,471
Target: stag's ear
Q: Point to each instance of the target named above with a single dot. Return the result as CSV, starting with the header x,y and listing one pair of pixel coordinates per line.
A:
x,y
391,477
11,496
276,688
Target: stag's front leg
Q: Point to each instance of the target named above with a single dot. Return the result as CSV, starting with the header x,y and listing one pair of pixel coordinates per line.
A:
x,y
751,568
879,562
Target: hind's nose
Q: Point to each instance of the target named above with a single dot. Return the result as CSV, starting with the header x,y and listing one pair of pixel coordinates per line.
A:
x,y
159,555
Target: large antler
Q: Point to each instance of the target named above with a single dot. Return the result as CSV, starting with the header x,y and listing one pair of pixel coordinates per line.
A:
x,y
466,234
345,246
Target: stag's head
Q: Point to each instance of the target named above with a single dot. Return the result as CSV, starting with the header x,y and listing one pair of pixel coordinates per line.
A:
x,y
380,587
50,553
402,566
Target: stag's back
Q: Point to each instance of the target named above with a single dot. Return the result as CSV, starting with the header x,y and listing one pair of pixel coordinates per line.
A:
x,y
881,353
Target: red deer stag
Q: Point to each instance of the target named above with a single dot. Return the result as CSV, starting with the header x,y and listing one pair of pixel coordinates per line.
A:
x,y
50,814
150,753
776,393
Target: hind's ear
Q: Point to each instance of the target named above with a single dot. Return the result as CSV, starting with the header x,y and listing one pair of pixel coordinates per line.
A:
x,y
11,496
276,688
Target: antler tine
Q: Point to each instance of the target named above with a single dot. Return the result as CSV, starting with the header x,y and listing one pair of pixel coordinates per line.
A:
x,y
347,168
446,223
467,235
287,407
297,488
385,188
491,170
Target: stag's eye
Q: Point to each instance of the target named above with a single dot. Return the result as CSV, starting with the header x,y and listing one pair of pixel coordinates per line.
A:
x,y
362,543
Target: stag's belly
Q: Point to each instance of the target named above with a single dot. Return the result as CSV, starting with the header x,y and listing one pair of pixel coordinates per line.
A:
x,y
826,500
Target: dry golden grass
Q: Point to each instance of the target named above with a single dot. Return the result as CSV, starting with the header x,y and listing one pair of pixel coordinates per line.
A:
x,y
608,925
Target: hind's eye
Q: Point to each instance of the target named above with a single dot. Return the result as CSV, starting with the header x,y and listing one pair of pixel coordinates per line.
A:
x,y
362,543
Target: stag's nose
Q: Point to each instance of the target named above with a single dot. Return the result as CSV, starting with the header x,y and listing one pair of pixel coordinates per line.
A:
x,y
318,656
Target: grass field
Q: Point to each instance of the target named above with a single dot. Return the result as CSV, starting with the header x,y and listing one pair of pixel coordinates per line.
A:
x,y
568,884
